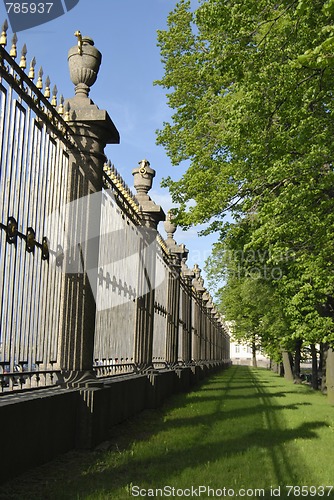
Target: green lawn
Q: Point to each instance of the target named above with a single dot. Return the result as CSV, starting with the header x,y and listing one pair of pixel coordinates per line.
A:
x,y
242,429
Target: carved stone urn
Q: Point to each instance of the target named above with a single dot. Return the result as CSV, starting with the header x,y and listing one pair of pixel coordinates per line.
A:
x,y
84,62
143,179
170,227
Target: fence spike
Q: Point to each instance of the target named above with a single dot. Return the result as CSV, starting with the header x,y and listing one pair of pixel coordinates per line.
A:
x,y
23,60
31,74
47,87
39,83
54,96
13,51
61,105
3,37
67,111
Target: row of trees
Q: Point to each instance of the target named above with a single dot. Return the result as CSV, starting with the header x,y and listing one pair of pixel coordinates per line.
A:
x,y
251,88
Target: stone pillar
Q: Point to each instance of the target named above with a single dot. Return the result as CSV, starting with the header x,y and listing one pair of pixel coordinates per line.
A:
x,y
199,290
151,215
218,333
176,253
218,329
92,129
212,329
223,354
188,276
206,322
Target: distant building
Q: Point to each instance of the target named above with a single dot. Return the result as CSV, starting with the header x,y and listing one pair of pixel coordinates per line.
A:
x,y
242,355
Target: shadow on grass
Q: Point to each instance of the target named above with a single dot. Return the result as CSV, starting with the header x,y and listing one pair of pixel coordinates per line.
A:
x,y
222,414
199,455
214,441
222,434
215,429
247,396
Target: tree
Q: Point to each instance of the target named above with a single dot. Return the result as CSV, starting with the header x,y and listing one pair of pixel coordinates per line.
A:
x,y
248,116
248,295
251,86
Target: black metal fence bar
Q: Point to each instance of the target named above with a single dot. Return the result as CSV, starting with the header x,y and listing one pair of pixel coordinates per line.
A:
x,y
33,179
117,280
149,309
161,312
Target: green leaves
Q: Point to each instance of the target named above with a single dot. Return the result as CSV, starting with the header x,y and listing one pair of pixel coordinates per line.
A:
x,y
251,86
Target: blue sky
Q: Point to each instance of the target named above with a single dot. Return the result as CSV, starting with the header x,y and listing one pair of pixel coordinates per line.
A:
x,y
125,32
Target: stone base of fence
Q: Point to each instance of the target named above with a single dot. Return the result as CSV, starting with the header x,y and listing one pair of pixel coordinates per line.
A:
x,y
51,422
36,427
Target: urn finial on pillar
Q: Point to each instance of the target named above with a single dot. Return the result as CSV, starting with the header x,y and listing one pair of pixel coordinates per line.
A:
x,y
152,213
197,271
198,281
170,228
143,179
84,62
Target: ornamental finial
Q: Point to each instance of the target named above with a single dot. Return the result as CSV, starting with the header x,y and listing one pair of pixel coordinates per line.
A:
x,y
170,227
3,37
13,50
79,37
84,62
32,69
143,179
39,83
47,87
23,60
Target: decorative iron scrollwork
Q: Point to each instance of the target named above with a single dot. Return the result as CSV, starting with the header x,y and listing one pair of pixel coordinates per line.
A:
x,y
100,276
59,256
45,248
30,240
12,230
12,233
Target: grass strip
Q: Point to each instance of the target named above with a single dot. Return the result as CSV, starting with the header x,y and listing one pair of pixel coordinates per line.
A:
x,y
243,430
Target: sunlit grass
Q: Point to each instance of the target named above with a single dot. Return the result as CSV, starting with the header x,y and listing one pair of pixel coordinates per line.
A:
x,y
242,428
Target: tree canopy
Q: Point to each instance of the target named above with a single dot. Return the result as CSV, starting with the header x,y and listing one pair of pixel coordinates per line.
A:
x,y
251,88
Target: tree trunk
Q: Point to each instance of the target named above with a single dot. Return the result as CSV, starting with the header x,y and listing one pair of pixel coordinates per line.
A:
x,y
315,382
321,357
322,366
273,366
254,361
330,375
296,366
277,368
287,363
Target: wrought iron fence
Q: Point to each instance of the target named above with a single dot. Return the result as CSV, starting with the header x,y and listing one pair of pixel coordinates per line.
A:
x,y
33,178
141,281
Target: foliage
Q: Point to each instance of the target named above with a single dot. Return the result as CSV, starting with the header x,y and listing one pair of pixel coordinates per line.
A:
x,y
251,86
249,299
